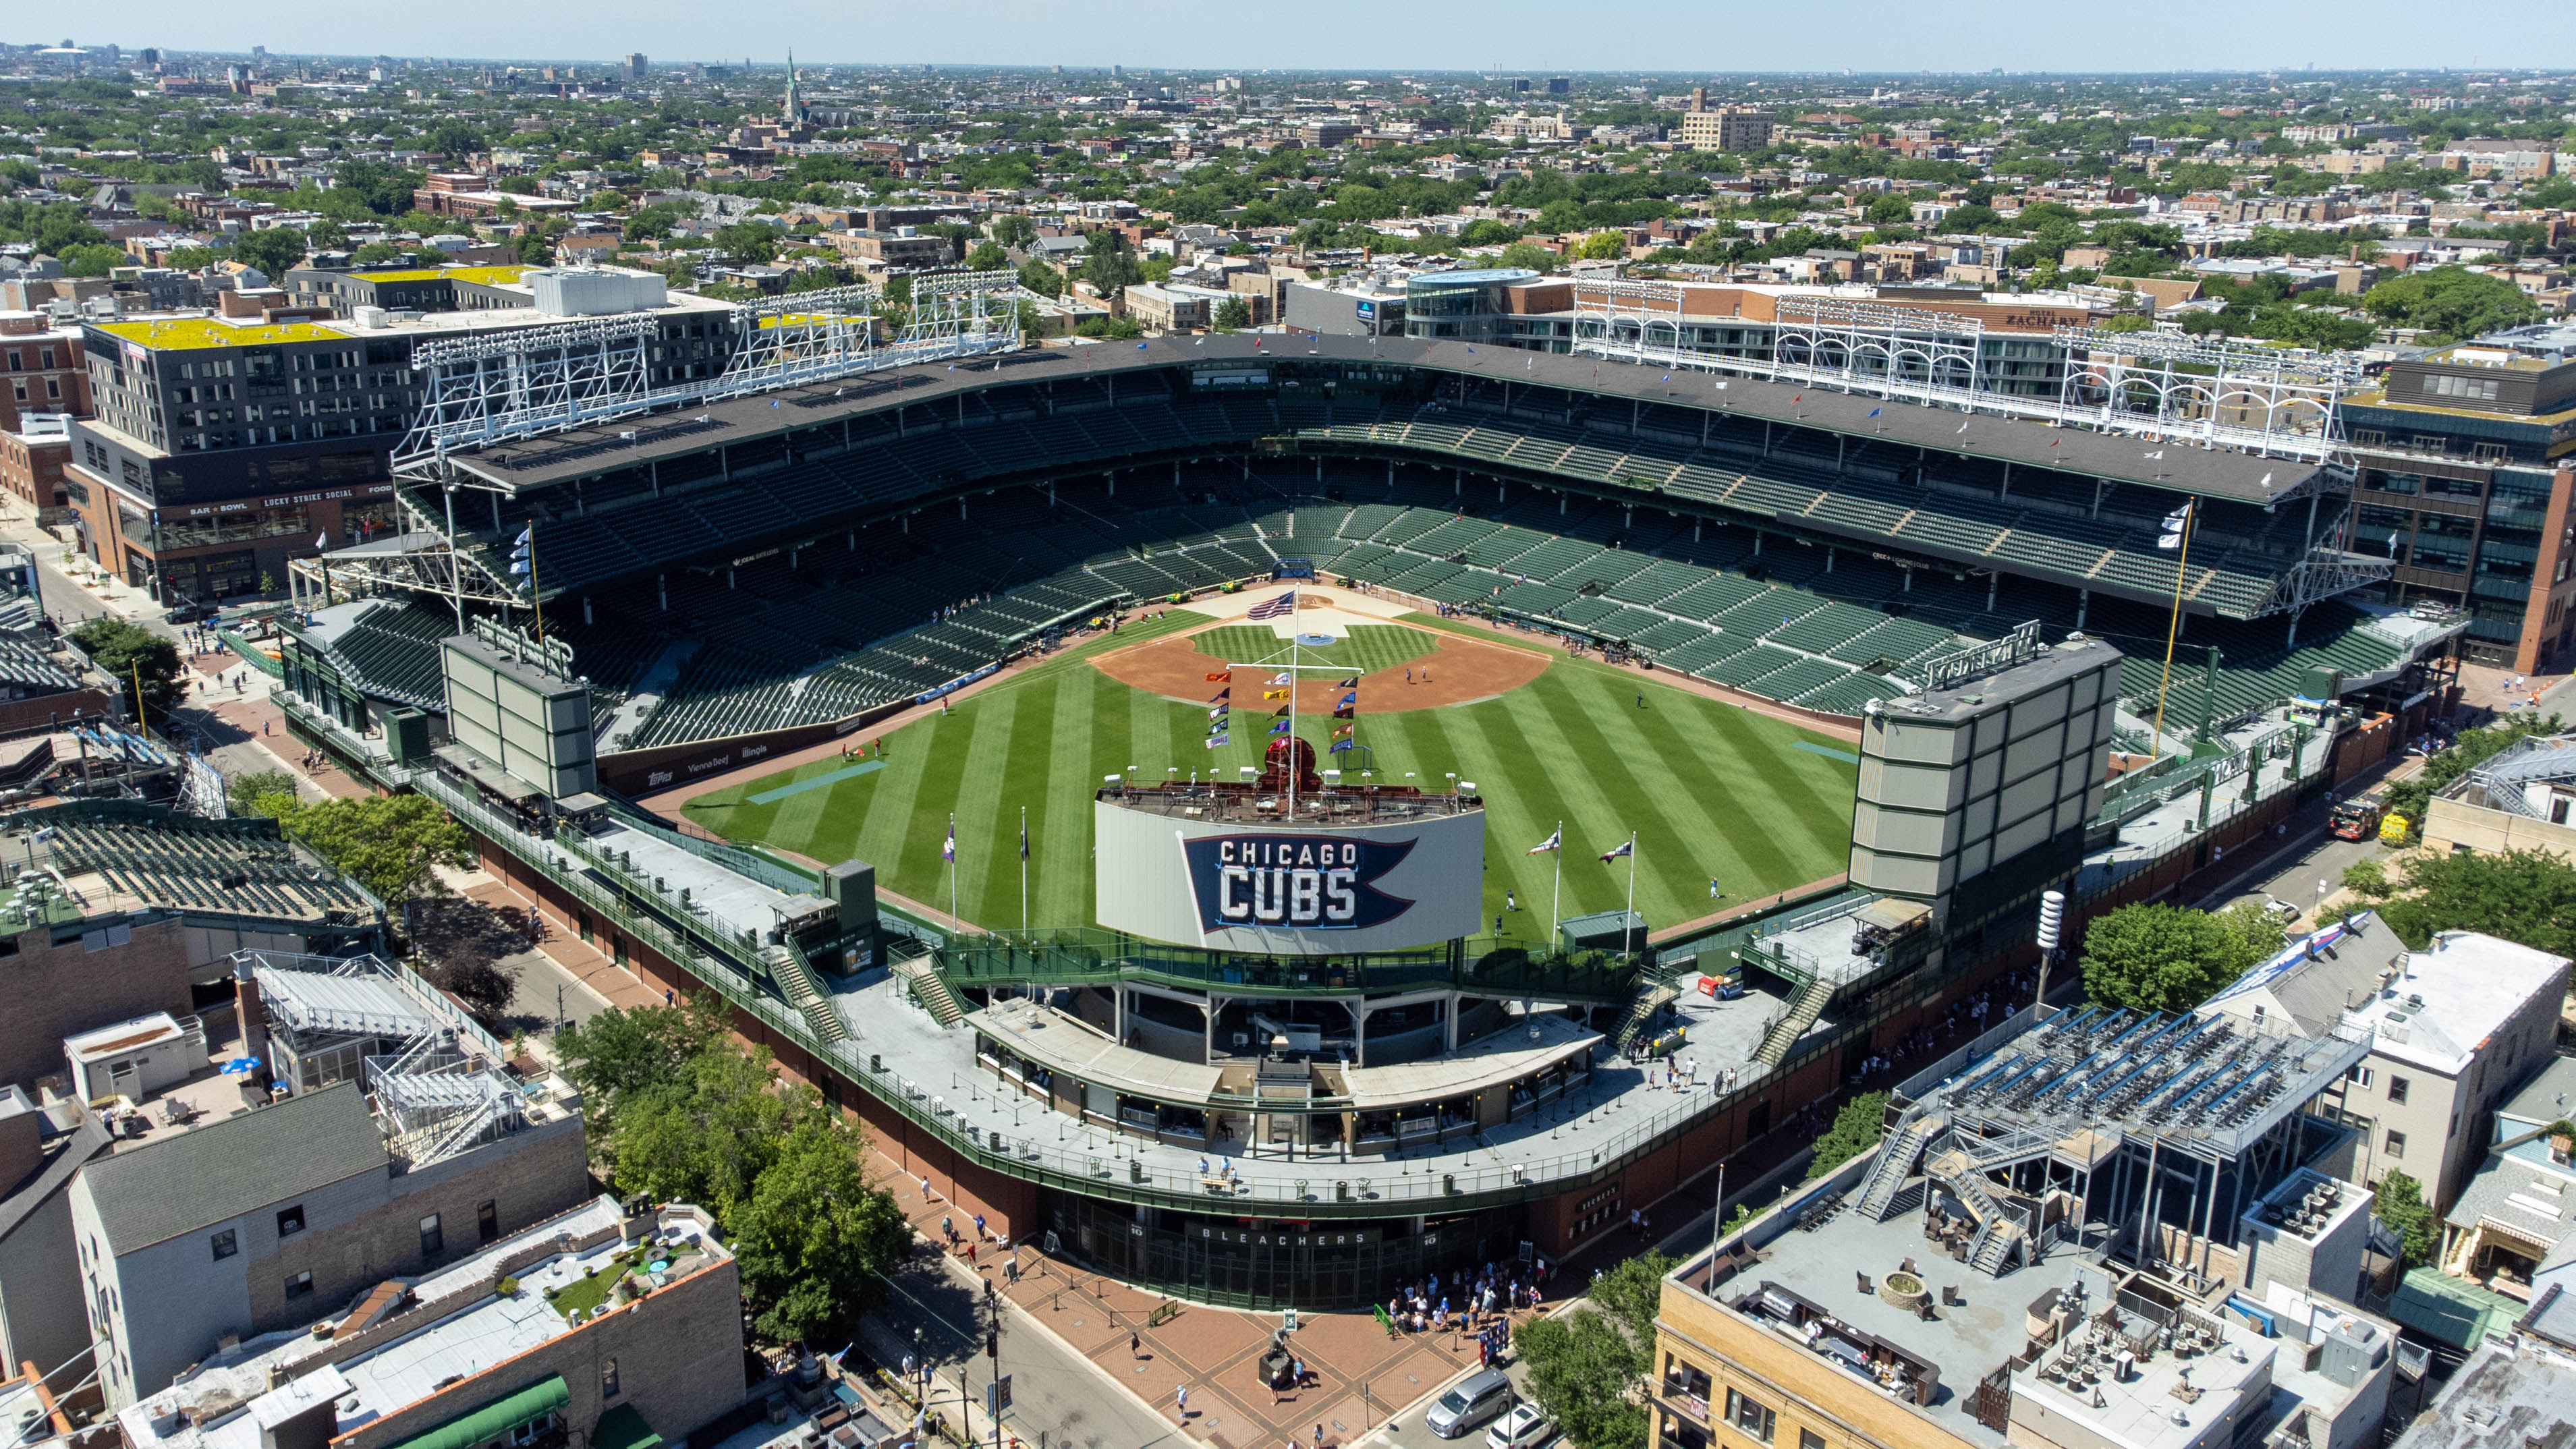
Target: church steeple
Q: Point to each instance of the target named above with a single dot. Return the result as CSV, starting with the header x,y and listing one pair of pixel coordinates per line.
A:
x,y
792,109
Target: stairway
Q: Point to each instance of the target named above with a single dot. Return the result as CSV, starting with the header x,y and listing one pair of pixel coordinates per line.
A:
x,y
1803,1010
2000,1241
931,990
796,982
1896,1159
1640,1011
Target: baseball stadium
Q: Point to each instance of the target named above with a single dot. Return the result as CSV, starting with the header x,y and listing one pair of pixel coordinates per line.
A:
x,y
1275,815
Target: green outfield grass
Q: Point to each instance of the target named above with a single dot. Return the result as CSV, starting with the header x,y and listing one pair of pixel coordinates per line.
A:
x,y
1710,789
1365,649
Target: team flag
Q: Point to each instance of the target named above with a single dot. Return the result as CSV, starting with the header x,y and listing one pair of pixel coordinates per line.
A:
x,y
1278,608
1219,712
1351,698
948,852
1281,712
1351,683
1280,728
1221,696
1223,676
1281,679
1338,747
1348,711
2175,523
1343,732
1215,740
1873,412
1217,727
1274,694
1024,837
1625,847
1553,842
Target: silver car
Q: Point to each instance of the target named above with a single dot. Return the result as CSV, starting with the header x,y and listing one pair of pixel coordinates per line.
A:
x,y
1470,1402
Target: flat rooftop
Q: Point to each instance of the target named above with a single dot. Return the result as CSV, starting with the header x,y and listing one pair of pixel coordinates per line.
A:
x,y
261,1379
199,332
726,898
2502,1396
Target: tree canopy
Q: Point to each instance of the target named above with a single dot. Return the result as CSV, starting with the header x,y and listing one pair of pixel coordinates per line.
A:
x,y
1586,1366
2527,896
2450,302
682,1112
391,844
2150,957
126,652
1856,1129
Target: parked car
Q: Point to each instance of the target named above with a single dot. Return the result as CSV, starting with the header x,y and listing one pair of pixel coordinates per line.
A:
x,y
190,612
1469,1403
1523,1428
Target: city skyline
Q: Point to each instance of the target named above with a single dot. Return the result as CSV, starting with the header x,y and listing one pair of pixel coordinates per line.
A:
x,y
1878,38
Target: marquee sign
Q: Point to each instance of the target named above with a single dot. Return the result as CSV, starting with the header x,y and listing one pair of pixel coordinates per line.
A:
x,y
1301,882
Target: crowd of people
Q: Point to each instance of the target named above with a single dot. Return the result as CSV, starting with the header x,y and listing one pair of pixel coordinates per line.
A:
x,y
1480,1300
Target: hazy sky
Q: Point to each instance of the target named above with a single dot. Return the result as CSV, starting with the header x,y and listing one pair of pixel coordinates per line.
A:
x,y
1515,35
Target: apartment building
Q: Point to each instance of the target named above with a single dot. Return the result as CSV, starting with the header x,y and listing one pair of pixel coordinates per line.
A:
x,y
32,462
2465,485
1723,128
2521,1205
2521,798
225,445
263,1221
2456,1027
42,370
42,1144
519,1341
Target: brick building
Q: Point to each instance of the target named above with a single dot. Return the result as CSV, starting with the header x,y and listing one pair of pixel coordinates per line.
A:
x,y
45,372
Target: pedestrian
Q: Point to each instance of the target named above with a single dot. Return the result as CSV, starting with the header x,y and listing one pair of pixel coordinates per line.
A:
x,y
948,1227
979,1225
970,1252
925,1187
1135,1344
1319,1436
1498,925
1182,1394
1712,887
669,997
1641,699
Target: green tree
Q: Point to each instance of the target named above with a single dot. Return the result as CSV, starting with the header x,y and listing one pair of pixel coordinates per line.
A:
x,y
708,1136
260,793
272,251
520,185
747,243
1528,255
1232,315
2528,896
623,1054
1583,1370
391,844
2399,1202
326,235
1109,264
128,652
2166,958
189,259
1013,229
1893,208
987,257
1856,1129
1634,1293
815,1239
2450,302
1040,278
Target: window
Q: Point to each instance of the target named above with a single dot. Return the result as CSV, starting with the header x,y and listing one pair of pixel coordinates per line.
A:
x,y
299,1285
431,1238
1810,1439
2397,1090
535,1429
608,1378
291,1221
2359,1075
224,1244
487,1221
1749,1416
2396,1143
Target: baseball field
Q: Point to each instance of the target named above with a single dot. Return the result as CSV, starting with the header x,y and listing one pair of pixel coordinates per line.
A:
x,y
1711,791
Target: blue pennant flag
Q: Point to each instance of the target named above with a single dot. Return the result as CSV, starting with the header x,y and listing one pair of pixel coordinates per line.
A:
x,y
1215,740
1873,412
1281,728
1339,746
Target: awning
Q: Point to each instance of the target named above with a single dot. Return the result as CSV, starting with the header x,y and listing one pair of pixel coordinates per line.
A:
x,y
623,1427
546,1396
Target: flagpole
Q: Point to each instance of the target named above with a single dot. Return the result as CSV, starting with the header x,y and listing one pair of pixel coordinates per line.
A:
x,y
1556,903
953,917
2173,626
1632,891
1295,662
1024,869
534,598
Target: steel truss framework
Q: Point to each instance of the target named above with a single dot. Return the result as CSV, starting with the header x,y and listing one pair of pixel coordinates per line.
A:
x,y
2159,385
484,390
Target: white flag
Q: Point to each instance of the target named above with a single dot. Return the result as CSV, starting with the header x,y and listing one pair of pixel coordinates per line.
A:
x,y
1553,842
322,540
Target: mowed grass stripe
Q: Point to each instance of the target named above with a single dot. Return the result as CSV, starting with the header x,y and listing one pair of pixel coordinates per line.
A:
x,y
1366,649
1708,787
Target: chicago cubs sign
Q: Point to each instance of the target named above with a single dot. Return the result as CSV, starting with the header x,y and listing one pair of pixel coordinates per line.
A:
x,y
1171,873
1305,882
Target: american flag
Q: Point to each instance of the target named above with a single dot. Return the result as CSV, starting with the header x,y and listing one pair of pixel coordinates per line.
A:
x,y
1278,608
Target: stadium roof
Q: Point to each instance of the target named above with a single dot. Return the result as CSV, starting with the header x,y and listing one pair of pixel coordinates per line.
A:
x,y
554,458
